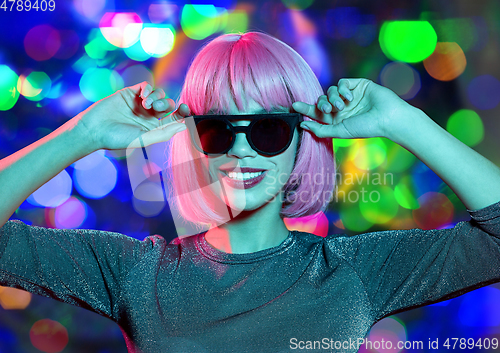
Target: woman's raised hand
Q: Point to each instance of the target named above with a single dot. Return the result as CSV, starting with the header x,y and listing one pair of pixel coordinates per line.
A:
x,y
357,108
132,117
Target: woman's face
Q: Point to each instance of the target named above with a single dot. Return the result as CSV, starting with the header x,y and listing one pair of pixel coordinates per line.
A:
x,y
250,195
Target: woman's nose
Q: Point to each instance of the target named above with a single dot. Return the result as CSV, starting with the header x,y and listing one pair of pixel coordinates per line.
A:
x,y
241,147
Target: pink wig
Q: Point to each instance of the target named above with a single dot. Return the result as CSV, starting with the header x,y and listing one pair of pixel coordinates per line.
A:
x,y
262,67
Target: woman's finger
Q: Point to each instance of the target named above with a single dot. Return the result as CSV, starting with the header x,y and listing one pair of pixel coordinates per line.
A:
x,y
164,105
324,105
326,130
147,102
334,98
309,110
177,116
145,89
344,89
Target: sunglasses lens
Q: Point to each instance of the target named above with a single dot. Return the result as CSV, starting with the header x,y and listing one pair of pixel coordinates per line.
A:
x,y
270,135
215,135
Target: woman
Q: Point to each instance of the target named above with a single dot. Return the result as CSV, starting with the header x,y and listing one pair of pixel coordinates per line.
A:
x,y
249,284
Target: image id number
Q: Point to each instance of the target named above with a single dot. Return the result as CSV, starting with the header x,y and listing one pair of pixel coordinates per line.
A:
x,y
28,5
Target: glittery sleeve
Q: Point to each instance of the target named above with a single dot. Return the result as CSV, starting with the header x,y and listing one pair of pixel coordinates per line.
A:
x,y
406,269
79,267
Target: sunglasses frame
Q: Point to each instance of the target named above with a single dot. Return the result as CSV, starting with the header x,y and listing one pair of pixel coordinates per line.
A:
x,y
292,119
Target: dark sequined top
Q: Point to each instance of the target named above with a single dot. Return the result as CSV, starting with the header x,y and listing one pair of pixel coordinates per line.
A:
x,y
189,297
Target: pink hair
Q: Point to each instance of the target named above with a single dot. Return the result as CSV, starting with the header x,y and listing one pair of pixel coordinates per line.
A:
x,y
269,71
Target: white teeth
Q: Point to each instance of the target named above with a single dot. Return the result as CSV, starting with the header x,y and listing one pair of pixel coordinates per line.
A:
x,y
243,176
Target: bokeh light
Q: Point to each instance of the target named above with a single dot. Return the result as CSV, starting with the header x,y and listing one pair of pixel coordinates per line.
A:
x,y
399,158
314,224
391,331
136,52
462,31
13,298
447,62
42,42
199,21
338,143
59,87
35,86
350,215
91,9
98,83
435,211
484,92
467,126
71,214
297,4
404,192
8,88
408,41
368,154
54,192
157,41
403,79
149,190
48,336
378,204
162,12
237,22
95,176
121,29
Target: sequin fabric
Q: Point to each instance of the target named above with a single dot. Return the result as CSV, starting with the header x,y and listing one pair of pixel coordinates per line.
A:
x,y
189,297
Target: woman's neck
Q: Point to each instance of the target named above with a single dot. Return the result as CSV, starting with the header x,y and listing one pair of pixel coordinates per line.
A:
x,y
250,231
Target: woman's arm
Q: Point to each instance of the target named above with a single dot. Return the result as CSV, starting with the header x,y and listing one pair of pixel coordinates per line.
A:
x,y
359,108
114,122
26,170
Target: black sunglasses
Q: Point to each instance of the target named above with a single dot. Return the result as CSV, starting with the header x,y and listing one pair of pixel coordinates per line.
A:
x,y
268,134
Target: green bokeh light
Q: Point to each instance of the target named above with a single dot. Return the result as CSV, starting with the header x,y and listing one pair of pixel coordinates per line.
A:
x,y
98,46
462,31
136,52
199,21
405,195
337,143
97,84
157,40
352,218
379,204
237,22
467,126
399,159
297,4
370,153
8,92
408,41
39,84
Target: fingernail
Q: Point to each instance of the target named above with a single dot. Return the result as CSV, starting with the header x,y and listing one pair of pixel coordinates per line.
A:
x,y
339,105
326,108
148,102
305,127
159,104
349,97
